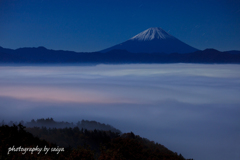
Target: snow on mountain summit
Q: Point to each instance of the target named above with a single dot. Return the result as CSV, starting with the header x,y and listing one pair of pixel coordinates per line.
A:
x,y
153,40
152,33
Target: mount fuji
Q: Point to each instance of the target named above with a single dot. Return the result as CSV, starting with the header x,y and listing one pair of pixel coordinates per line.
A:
x,y
153,40
153,45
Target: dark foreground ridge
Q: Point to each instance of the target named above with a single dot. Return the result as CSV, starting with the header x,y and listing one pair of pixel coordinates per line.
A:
x,y
42,55
84,124
75,143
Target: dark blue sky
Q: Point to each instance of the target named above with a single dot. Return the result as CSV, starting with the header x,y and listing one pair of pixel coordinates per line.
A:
x,y
92,25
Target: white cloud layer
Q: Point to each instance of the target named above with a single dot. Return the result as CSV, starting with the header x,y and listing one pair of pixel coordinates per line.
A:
x,y
192,109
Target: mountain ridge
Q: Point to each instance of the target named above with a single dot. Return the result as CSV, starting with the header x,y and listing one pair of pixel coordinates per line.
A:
x,y
47,56
153,40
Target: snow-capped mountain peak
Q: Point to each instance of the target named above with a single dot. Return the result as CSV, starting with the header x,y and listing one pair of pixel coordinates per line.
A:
x,y
152,33
153,40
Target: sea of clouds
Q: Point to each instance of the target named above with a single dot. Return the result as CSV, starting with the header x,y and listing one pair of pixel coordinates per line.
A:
x,y
192,109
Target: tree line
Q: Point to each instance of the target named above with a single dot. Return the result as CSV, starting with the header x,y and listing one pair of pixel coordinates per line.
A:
x,y
81,144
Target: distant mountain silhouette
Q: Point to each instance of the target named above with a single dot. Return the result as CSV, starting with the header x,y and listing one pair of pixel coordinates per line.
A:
x,y
45,56
153,40
85,124
233,52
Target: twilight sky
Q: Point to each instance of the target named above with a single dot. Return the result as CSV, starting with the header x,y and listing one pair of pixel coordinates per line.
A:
x,y
92,25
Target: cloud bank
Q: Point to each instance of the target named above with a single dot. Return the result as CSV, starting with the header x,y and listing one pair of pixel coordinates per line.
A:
x,y
189,108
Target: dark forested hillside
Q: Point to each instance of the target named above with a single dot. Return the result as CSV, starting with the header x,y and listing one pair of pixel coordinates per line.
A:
x,y
75,143
15,141
51,123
